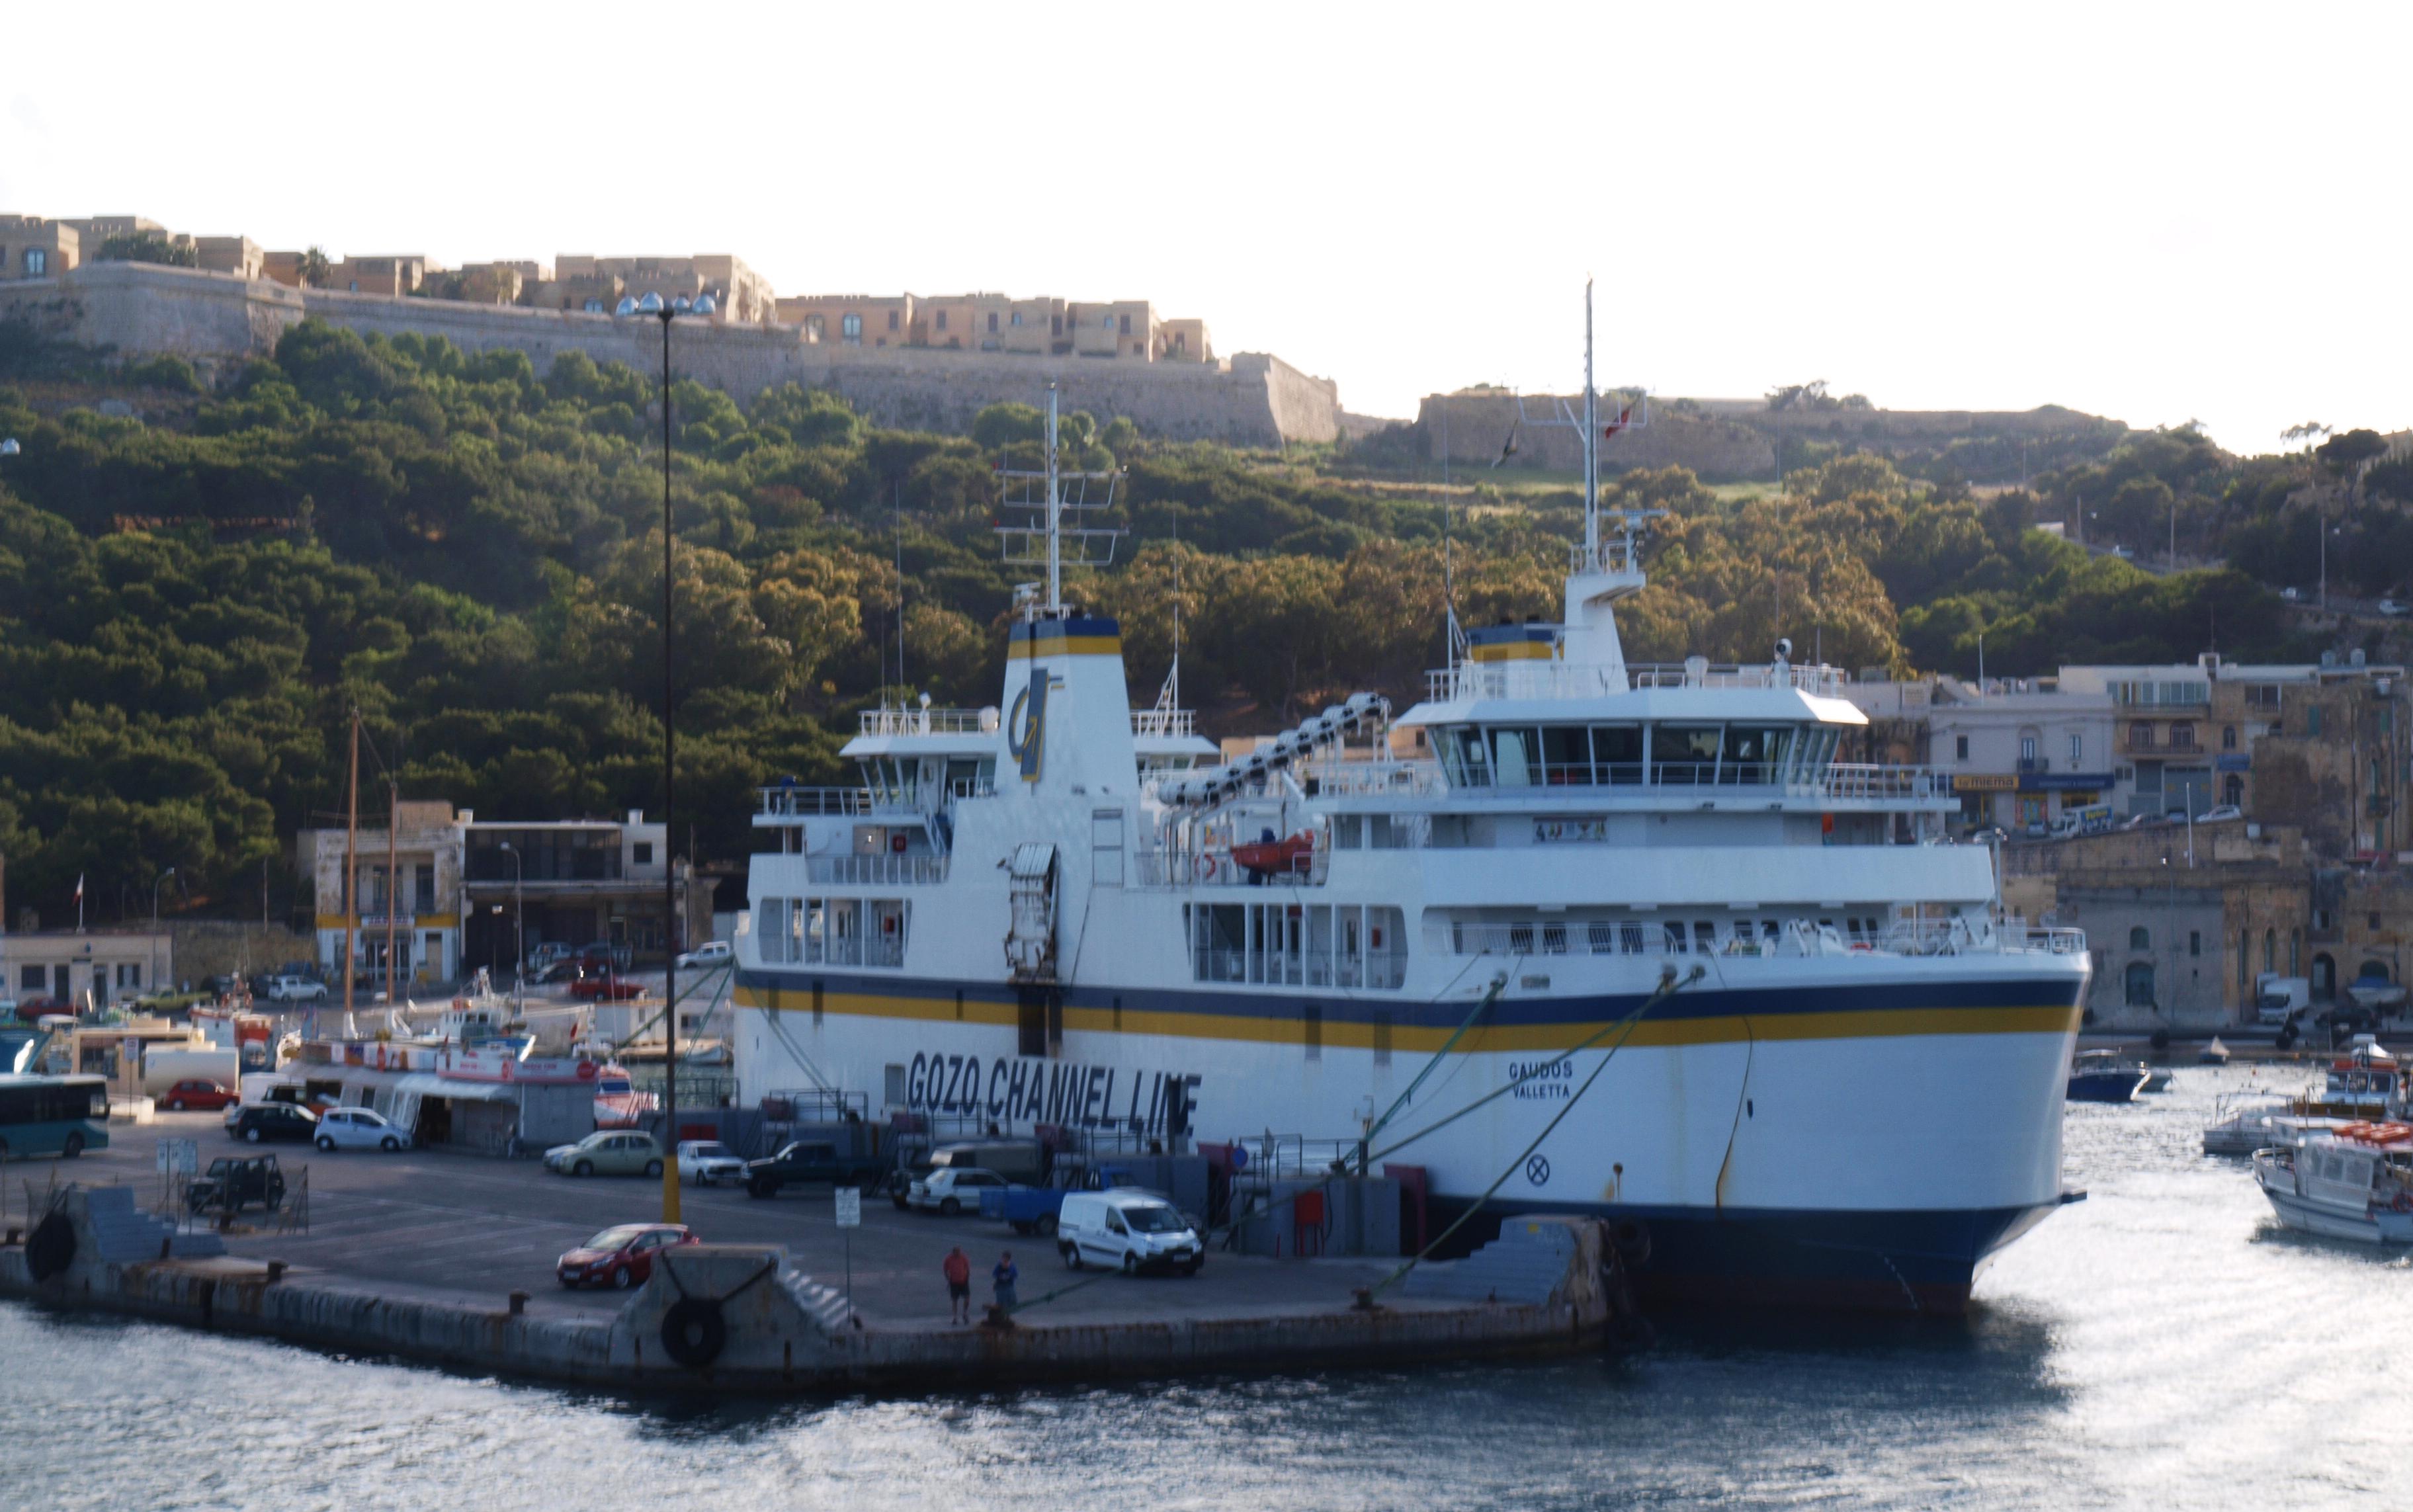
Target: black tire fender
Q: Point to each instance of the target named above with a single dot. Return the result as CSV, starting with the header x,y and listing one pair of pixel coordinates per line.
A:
x,y
694,1332
51,1247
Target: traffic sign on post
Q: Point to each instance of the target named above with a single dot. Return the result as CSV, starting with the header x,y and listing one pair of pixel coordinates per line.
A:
x,y
850,1217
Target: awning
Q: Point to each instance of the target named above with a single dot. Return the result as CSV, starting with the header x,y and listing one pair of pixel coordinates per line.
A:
x,y
427,1084
1032,861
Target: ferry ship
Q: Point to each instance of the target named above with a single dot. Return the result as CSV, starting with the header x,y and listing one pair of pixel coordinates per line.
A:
x,y
1813,1062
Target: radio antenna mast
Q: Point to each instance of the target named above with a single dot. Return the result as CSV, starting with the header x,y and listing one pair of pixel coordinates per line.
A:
x,y
1041,535
1631,411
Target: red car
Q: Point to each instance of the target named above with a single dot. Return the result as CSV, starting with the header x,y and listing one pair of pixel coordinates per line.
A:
x,y
206,1095
621,1258
594,984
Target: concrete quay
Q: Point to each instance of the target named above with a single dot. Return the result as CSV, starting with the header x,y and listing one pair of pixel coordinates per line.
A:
x,y
415,1255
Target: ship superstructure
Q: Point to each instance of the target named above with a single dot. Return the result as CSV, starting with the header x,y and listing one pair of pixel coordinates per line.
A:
x,y
1834,1071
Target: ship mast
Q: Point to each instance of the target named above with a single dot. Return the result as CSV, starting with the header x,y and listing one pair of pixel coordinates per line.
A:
x,y
1040,536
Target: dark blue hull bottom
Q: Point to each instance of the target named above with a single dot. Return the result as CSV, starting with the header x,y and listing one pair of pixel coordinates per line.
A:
x,y
1886,1262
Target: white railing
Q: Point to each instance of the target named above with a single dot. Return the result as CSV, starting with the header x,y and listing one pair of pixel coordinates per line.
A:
x,y
901,871
1215,869
1544,937
1407,780
1563,680
911,722
1625,779
1614,557
1380,971
1164,722
800,802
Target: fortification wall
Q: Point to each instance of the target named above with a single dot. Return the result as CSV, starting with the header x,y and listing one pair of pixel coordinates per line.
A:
x,y
1478,426
216,320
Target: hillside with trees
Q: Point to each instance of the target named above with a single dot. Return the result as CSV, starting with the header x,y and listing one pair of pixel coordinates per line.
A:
x,y
198,584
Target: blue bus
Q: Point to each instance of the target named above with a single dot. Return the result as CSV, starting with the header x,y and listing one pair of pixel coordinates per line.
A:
x,y
52,1116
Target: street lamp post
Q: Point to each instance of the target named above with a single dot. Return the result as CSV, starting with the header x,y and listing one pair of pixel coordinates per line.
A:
x,y
654,305
519,935
155,925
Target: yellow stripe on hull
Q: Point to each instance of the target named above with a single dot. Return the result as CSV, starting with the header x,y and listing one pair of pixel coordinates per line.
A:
x,y
1735,1029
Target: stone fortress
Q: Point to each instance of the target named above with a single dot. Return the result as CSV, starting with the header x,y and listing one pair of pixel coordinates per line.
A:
x,y
135,286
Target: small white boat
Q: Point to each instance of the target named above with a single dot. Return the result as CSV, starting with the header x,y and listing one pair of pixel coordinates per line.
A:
x,y
2264,1126
2214,1053
2374,990
2355,1182
2157,1078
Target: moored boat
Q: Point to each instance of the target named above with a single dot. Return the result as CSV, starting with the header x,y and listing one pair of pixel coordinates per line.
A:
x,y
2105,1076
2355,1182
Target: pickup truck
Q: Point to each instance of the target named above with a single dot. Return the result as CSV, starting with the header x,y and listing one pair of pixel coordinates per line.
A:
x,y
809,1160
1033,1209
234,1182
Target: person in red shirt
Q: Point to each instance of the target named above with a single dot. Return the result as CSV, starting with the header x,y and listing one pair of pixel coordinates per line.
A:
x,y
958,1268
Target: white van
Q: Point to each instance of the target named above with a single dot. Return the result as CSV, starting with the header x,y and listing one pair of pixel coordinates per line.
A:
x,y
1128,1229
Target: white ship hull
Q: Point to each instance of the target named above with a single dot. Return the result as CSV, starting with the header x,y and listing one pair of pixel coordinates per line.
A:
x,y
1794,1133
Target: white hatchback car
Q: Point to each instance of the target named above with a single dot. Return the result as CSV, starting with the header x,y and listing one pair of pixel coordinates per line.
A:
x,y
711,953
358,1127
704,1161
951,1189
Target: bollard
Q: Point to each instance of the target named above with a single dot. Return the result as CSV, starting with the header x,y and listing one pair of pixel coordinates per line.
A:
x,y
998,1318
276,1270
519,1303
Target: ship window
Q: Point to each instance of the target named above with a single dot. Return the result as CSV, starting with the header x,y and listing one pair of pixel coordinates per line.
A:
x,y
1348,832
1705,937
1755,754
1617,752
1472,766
1515,757
1675,928
1684,754
1554,940
1566,756
1600,937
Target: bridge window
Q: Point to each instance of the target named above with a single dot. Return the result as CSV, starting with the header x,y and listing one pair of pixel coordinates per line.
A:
x,y
1755,754
1617,752
1686,755
1515,757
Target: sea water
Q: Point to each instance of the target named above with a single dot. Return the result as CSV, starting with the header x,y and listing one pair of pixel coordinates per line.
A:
x,y
2161,1345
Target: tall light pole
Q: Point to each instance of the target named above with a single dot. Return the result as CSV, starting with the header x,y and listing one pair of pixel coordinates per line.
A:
x,y
653,305
155,925
519,935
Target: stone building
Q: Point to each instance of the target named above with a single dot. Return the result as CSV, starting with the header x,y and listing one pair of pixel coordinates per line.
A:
x,y
32,247
2181,920
597,285
853,320
85,970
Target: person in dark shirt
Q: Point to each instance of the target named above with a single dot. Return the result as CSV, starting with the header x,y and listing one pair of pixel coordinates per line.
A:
x,y
1002,1278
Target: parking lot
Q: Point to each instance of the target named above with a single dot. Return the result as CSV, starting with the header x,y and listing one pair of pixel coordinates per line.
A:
x,y
466,1224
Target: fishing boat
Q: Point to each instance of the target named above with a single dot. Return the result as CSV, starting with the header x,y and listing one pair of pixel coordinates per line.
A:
x,y
1589,937
2106,1077
2353,1183
2240,1127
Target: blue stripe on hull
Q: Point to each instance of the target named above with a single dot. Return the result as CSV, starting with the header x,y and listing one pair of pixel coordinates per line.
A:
x,y
1351,1005
1912,1262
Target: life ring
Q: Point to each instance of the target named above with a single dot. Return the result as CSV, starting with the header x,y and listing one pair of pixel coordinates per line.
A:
x,y
2402,1202
1205,869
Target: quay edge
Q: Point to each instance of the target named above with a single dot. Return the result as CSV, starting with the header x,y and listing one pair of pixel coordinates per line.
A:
x,y
785,1337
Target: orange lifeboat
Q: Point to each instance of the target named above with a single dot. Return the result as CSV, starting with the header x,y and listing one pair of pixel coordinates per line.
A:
x,y
1277,858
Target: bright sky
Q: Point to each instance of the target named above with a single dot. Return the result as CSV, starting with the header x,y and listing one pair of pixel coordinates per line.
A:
x,y
2153,213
